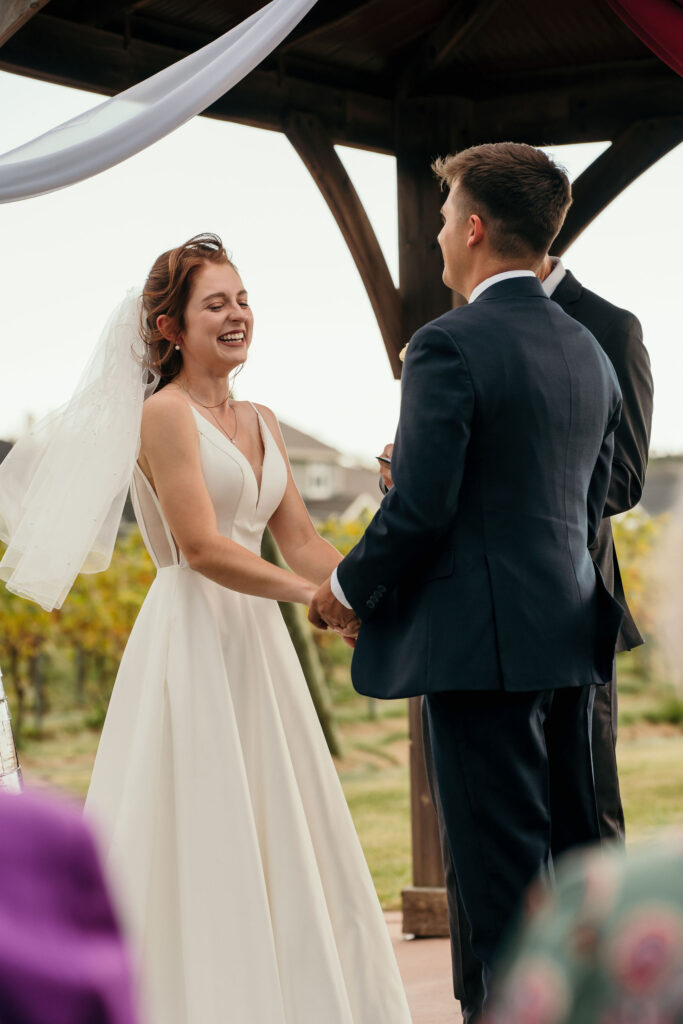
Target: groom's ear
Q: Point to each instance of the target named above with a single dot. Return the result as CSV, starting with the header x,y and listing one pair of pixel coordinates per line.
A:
x,y
476,231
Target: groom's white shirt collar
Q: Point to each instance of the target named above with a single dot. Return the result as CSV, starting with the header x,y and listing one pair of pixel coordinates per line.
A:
x,y
505,276
554,277
549,285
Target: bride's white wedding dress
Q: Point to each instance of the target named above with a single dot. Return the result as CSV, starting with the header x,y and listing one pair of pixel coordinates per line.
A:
x,y
242,879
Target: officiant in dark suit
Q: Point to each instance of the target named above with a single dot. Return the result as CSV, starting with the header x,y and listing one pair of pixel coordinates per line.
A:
x,y
620,335
473,582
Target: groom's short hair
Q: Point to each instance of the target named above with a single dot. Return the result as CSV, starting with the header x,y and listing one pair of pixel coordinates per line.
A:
x,y
520,193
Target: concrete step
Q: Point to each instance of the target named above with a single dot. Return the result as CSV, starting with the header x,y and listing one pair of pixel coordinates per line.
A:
x,y
425,966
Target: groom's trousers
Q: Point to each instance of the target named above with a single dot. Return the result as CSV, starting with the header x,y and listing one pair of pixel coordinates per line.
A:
x,y
512,781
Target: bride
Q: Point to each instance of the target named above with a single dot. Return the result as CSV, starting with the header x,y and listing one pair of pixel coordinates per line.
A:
x,y
242,880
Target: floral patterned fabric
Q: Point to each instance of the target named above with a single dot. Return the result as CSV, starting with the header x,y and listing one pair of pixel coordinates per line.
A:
x,y
605,947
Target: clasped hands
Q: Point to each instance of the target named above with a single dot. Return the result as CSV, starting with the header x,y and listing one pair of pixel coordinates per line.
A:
x,y
326,612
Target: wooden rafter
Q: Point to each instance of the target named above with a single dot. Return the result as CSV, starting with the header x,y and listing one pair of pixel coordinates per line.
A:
x,y
595,109
324,17
15,13
79,56
58,51
631,153
105,10
464,18
312,143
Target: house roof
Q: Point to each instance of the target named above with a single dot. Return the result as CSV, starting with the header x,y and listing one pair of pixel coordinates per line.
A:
x,y
297,439
359,479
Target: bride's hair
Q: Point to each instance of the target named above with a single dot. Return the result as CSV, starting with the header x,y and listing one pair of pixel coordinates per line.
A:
x,y
167,291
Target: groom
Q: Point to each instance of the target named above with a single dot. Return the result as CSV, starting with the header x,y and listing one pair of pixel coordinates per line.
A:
x,y
473,583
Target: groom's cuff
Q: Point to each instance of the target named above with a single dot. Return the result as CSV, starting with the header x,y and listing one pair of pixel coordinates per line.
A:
x,y
337,590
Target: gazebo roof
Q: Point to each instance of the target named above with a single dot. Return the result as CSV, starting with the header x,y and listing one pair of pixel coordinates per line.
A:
x,y
528,70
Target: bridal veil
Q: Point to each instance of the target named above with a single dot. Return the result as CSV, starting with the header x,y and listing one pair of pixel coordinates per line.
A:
x,y
64,484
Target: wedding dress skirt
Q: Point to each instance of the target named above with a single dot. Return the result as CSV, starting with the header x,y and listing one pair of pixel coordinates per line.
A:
x,y
242,880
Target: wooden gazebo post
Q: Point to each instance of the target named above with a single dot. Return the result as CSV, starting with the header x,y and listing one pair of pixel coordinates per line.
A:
x,y
423,297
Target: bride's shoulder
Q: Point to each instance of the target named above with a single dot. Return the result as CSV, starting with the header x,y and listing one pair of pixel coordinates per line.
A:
x,y
270,418
168,399
166,410
265,411
272,421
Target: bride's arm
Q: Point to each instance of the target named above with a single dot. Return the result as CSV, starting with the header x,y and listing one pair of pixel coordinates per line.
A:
x,y
302,547
170,456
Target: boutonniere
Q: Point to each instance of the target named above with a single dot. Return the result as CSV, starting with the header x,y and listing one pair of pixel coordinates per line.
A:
x,y
402,353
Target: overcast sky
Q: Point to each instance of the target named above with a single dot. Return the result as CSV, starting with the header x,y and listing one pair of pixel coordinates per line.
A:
x,y
317,357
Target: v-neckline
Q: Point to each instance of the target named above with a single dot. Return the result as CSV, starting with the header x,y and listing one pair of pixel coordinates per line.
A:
x,y
234,448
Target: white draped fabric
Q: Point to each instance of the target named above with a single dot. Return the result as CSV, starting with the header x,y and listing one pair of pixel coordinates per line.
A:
x,y
145,113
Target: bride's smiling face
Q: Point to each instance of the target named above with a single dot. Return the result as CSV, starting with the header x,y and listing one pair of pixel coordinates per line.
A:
x,y
218,320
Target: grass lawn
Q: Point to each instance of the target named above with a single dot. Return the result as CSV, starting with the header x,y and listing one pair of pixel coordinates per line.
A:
x,y
374,768
651,772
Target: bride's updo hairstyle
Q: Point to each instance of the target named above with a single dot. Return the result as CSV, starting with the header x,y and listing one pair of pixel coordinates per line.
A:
x,y
167,291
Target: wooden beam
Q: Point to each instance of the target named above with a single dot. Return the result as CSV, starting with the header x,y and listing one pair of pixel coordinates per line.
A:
x,y
308,136
424,902
463,20
105,10
324,16
421,133
631,153
55,50
421,136
15,13
595,108
592,110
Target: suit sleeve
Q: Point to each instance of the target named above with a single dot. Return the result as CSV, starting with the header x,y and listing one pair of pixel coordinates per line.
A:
x,y
427,464
624,343
600,481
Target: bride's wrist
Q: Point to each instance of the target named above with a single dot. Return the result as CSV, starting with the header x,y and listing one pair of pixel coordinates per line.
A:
x,y
306,592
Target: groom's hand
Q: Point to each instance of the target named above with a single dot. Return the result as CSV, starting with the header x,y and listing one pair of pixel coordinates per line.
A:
x,y
325,610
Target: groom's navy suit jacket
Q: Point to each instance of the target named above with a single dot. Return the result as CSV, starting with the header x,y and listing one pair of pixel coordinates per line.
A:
x,y
475,572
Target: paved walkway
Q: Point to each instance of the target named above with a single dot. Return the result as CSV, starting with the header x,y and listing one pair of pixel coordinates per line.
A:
x,y
425,966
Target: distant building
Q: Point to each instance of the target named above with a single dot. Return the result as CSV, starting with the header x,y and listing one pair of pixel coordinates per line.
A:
x,y
663,485
329,485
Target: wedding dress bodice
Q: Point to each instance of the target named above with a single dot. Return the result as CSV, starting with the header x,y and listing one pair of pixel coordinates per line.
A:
x,y
242,507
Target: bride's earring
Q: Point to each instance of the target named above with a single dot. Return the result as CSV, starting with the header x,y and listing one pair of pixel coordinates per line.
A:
x,y
177,348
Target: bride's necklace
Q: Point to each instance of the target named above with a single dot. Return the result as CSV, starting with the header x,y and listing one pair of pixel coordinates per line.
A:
x,y
210,408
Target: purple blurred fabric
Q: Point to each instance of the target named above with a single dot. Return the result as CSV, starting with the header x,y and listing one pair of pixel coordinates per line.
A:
x,y
62,957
